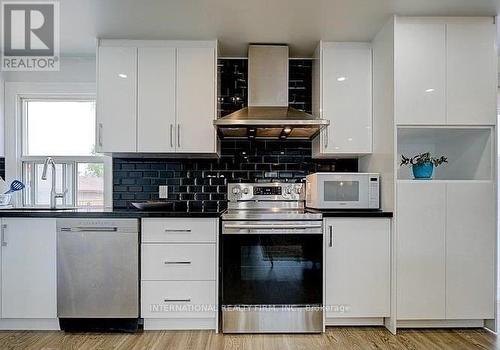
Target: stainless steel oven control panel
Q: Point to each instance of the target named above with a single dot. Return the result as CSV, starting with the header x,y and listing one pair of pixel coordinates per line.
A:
x,y
276,191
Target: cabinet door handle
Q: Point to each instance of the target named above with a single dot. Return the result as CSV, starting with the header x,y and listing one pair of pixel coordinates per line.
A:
x,y
326,137
177,262
177,300
177,230
331,236
172,135
4,243
100,135
178,135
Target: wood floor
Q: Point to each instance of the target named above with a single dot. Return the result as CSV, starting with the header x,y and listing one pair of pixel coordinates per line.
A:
x,y
334,338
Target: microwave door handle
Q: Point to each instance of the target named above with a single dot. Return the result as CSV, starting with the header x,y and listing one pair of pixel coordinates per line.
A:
x,y
331,236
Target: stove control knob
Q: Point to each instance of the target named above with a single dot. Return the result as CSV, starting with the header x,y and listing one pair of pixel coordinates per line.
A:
x,y
236,190
288,190
245,190
297,190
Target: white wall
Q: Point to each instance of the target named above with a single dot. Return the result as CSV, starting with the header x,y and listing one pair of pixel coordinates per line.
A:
x,y
72,70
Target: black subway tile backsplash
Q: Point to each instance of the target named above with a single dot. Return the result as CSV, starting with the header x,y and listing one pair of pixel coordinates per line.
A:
x,y
2,167
232,75
201,184
233,84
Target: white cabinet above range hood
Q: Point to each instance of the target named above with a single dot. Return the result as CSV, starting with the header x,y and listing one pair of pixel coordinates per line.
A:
x,y
268,115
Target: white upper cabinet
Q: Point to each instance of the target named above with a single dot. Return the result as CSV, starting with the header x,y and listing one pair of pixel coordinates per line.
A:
x,y
29,268
196,94
471,71
156,99
156,96
470,250
116,99
357,267
420,72
345,89
445,71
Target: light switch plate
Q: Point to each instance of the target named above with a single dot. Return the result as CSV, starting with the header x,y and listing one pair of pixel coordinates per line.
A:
x,y
163,192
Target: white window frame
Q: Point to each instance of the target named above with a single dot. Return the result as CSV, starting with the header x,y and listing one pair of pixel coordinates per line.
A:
x,y
15,93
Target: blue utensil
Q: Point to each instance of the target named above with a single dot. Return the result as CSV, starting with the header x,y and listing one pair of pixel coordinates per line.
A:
x,y
15,186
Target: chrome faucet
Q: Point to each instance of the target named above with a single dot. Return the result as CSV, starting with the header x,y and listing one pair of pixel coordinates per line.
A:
x,y
53,194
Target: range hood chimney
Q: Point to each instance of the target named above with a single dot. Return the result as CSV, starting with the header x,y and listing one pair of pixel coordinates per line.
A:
x,y
268,115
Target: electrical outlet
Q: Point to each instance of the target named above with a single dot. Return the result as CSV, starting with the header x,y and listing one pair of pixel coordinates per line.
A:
x,y
163,192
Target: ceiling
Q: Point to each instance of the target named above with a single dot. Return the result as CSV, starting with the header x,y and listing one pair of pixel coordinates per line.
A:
x,y
299,23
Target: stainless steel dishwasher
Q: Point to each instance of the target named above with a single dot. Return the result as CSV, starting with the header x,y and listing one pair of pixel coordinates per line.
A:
x,y
98,274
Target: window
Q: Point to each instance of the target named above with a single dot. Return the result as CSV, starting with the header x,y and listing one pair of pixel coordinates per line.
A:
x,y
64,129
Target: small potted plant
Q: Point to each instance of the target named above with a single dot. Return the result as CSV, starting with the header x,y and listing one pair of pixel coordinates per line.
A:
x,y
423,164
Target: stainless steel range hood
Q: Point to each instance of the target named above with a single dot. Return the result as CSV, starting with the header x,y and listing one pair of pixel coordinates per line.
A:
x,y
268,115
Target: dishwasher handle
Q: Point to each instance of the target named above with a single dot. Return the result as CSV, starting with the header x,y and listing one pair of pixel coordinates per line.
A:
x,y
89,229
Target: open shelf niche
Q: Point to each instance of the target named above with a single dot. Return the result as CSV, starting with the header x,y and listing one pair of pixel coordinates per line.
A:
x,y
470,151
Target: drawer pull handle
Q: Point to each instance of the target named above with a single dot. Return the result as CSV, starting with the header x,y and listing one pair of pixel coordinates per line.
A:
x,y
177,300
2,239
177,262
179,230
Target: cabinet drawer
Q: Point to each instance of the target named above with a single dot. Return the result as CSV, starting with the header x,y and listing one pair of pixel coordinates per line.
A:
x,y
178,262
178,299
179,230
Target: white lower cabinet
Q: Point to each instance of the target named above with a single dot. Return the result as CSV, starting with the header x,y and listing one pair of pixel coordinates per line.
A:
x,y
179,273
446,250
29,284
357,268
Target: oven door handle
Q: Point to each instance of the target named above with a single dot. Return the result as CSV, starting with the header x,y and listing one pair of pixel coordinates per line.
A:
x,y
270,226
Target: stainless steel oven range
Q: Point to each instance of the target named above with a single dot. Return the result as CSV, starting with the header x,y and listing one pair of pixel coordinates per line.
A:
x,y
272,261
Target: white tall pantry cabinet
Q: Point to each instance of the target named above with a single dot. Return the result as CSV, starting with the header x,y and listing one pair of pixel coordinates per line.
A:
x,y
445,84
445,71
471,71
420,72
421,250
156,96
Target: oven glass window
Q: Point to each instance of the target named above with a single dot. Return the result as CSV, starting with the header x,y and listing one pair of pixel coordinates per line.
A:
x,y
272,269
280,262
341,191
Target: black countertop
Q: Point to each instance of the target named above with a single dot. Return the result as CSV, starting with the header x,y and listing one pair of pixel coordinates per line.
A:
x,y
104,213
347,213
131,213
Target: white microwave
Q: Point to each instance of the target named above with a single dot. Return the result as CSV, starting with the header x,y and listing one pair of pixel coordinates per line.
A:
x,y
343,191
